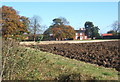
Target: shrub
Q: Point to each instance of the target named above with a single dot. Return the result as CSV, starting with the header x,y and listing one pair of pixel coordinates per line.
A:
x,y
40,38
10,55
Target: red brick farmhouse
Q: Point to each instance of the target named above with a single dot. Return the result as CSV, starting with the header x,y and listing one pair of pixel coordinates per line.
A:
x,y
80,34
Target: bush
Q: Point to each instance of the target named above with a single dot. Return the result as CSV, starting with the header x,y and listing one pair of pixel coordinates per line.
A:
x,y
10,57
40,38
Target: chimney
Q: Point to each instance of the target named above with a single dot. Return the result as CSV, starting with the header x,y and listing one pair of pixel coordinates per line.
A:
x,y
82,29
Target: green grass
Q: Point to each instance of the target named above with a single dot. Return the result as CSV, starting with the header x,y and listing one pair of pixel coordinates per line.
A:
x,y
37,65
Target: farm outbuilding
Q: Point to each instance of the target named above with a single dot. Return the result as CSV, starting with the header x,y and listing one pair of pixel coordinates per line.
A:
x,y
110,36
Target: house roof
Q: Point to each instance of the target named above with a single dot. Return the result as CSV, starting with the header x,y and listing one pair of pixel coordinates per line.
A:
x,y
107,34
79,31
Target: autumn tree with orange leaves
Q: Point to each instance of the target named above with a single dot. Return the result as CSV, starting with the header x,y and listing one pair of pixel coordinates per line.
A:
x,y
59,30
13,25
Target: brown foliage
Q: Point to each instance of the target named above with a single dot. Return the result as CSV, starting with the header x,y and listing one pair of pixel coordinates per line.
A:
x,y
12,23
63,31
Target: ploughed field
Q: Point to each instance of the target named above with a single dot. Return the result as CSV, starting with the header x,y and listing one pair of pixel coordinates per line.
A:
x,y
105,54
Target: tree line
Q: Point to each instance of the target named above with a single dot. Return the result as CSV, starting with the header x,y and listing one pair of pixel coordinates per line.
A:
x,y
16,26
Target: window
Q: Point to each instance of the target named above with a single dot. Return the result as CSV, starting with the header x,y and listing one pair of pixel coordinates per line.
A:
x,y
80,33
76,33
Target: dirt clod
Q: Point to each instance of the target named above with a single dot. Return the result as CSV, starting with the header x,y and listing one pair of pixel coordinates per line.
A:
x,y
101,53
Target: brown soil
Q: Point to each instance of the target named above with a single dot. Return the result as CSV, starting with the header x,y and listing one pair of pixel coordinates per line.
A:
x,y
105,54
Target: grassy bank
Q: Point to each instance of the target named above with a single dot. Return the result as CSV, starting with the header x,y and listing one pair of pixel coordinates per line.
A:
x,y
37,65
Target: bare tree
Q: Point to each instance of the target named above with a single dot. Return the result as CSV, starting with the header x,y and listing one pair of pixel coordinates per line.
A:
x,y
35,26
44,27
116,27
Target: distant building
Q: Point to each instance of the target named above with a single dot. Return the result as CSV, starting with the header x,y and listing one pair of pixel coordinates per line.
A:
x,y
80,34
109,36
30,37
